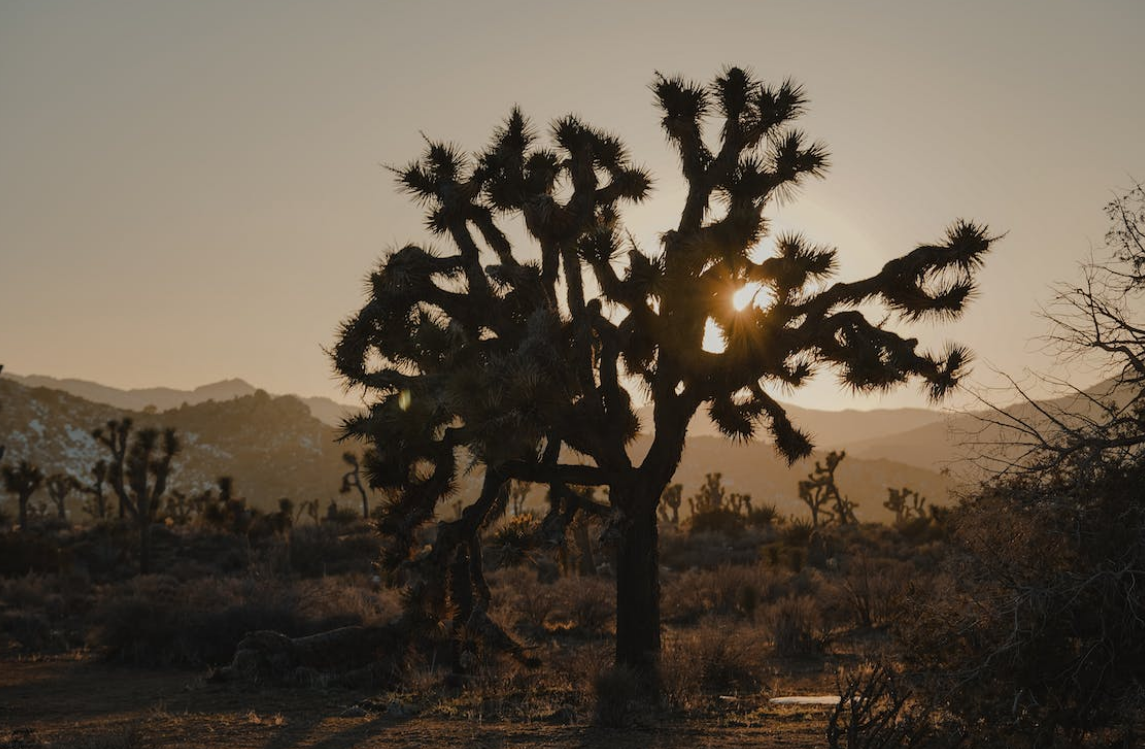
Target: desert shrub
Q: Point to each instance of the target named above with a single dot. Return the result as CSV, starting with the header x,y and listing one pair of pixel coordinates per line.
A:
x,y
875,711
30,630
25,552
709,550
737,590
583,606
333,549
617,696
521,599
871,590
717,520
1039,622
764,516
797,532
796,626
156,620
717,657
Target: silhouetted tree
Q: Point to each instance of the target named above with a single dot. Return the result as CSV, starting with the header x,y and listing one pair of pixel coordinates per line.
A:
x,y
518,493
138,474
352,480
22,481
820,493
670,504
60,486
522,363
905,503
97,503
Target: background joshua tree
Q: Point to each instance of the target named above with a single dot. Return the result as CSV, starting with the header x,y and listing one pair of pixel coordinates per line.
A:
x,y
22,481
820,493
670,504
138,474
905,503
518,493
352,480
522,363
96,505
60,486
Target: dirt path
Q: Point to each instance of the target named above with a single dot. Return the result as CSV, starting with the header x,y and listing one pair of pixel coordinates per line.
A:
x,y
77,703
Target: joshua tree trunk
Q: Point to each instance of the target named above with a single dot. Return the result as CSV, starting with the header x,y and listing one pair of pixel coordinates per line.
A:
x,y
638,591
23,503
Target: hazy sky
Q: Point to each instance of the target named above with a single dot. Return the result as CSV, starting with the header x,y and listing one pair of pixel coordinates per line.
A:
x,y
191,191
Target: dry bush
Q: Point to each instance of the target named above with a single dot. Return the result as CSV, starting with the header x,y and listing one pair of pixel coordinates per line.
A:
x,y
333,549
796,626
1039,625
587,606
734,590
521,599
617,696
156,620
715,657
873,591
876,711
709,550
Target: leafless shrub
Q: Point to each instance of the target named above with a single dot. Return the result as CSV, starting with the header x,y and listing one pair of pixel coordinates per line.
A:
x,y
796,626
875,712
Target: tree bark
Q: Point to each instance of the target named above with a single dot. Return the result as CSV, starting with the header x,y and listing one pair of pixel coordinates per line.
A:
x,y
638,592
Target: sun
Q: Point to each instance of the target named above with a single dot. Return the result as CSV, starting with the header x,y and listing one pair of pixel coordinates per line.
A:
x,y
753,294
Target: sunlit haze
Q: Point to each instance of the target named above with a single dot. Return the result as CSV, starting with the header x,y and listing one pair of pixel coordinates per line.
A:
x,y
195,191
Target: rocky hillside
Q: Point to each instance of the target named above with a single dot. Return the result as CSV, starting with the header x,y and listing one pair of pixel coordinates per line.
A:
x,y
163,398
272,446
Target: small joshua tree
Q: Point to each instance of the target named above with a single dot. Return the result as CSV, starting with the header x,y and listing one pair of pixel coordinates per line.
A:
x,y
96,505
22,481
905,503
138,473
60,486
518,493
820,493
352,480
670,502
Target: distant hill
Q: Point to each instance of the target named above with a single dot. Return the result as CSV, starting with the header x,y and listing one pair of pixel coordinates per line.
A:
x,y
284,446
829,430
325,410
272,446
970,442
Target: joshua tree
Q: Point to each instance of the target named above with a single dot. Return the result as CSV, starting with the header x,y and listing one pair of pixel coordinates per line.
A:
x,y
23,481
710,496
479,352
96,503
897,502
670,501
518,493
352,480
819,492
139,474
60,485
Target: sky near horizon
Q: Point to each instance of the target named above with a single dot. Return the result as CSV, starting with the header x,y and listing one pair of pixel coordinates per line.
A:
x,y
195,191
